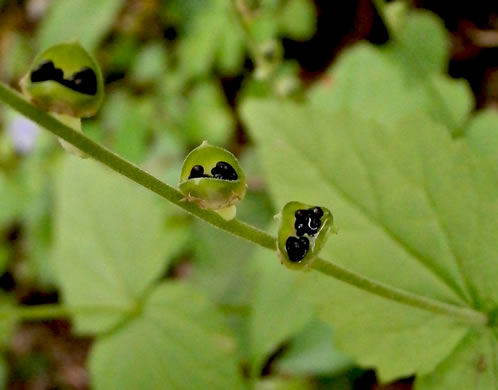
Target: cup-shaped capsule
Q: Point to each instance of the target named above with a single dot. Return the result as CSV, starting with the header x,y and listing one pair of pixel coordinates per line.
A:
x,y
212,178
65,79
303,231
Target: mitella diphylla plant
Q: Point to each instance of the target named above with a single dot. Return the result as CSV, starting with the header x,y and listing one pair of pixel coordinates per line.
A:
x,y
303,231
212,178
66,81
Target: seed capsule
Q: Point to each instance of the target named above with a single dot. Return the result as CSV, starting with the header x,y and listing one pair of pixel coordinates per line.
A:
x,y
220,190
65,79
303,231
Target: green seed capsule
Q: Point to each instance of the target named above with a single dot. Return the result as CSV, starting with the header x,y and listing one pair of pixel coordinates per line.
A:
x,y
303,231
65,79
212,178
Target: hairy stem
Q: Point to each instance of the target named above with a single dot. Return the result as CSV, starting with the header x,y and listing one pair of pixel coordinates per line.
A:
x,y
235,226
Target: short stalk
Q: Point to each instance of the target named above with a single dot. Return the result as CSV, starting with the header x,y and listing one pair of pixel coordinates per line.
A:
x,y
234,226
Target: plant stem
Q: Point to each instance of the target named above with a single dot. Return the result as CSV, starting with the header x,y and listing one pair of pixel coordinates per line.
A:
x,y
51,311
131,171
235,226
463,314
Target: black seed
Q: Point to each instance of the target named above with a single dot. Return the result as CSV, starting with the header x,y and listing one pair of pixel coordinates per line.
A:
x,y
317,212
84,81
46,71
297,248
300,227
224,171
196,171
307,221
299,214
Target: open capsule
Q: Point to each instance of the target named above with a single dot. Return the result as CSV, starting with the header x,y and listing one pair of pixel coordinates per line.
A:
x,y
212,178
65,79
303,231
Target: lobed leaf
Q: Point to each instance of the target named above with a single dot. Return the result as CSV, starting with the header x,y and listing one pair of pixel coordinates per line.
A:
x,y
177,341
111,241
414,209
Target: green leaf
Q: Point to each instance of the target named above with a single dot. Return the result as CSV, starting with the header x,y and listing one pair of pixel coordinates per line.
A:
x,y
150,64
178,341
208,116
278,310
83,20
297,19
473,365
386,91
111,241
422,43
400,220
13,196
214,37
482,134
284,384
127,118
312,352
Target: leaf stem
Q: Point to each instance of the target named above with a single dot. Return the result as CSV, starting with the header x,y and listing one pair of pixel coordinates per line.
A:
x,y
235,226
51,311
464,314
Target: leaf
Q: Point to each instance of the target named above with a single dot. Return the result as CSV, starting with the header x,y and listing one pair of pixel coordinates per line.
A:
x,y
297,19
150,64
283,384
213,35
14,197
482,134
392,192
111,241
278,310
312,352
208,116
385,91
473,365
178,341
422,44
127,118
83,20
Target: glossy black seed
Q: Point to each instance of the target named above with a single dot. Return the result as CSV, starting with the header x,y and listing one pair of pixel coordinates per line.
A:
x,y
46,71
300,214
196,171
84,81
224,171
301,228
297,248
307,221
317,212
